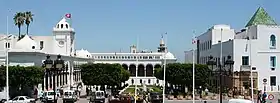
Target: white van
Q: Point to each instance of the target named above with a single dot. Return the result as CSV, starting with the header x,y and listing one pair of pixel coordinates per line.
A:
x,y
48,96
69,96
239,101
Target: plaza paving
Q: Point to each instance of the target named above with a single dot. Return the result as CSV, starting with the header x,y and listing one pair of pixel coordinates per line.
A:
x,y
84,100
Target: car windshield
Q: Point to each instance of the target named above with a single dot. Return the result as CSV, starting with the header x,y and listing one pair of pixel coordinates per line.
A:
x,y
68,93
50,93
99,94
16,98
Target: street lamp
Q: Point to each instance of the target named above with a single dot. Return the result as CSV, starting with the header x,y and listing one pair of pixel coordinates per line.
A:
x,y
211,62
229,62
54,67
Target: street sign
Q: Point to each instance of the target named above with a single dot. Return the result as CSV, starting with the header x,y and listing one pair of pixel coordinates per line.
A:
x,y
264,80
270,96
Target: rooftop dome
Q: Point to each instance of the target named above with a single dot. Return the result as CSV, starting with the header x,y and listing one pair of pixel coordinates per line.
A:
x,y
169,55
63,25
26,43
83,53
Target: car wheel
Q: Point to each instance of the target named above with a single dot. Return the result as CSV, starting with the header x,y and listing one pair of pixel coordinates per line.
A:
x,y
3,101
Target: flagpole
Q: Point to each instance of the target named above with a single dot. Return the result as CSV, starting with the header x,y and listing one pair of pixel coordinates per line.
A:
x,y
135,90
250,61
164,70
193,51
7,60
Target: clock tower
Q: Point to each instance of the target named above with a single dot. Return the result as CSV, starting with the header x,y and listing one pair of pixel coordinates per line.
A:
x,y
64,38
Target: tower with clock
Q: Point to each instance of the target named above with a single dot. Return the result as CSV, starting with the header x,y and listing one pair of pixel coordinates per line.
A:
x,y
64,38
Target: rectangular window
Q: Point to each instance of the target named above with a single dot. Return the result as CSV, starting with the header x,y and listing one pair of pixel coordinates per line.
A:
x,y
272,80
272,61
41,45
210,44
245,60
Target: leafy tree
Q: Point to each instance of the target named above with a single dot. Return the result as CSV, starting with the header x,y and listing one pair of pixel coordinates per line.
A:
x,y
181,74
103,74
2,77
28,19
25,76
125,75
19,19
21,78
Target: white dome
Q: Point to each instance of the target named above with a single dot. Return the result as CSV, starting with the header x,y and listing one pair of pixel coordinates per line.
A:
x,y
83,53
26,43
169,55
63,25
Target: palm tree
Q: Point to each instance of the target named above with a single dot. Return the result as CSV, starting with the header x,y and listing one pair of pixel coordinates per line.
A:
x,y
19,21
28,20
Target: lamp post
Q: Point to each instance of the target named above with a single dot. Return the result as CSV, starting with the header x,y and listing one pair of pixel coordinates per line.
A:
x,y
229,62
7,58
54,67
211,62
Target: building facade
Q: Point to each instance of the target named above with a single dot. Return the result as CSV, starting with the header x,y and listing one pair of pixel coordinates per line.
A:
x,y
254,47
145,65
32,51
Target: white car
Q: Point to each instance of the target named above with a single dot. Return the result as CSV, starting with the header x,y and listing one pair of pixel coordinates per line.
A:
x,y
70,96
48,97
239,101
22,99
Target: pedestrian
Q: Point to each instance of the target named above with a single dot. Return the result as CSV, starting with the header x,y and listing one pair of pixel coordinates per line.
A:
x,y
259,97
264,97
206,91
87,90
132,98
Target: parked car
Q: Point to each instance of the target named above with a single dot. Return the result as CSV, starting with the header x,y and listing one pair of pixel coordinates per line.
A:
x,y
48,97
155,97
70,96
40,95
97,97
239,101
22,99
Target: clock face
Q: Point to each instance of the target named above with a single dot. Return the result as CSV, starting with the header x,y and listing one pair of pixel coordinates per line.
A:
x,y
61,42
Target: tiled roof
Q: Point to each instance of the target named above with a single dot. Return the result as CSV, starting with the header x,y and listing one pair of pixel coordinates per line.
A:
x,y
261,17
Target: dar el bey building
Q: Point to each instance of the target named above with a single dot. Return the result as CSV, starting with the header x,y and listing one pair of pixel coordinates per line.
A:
x,y
32,51
254,47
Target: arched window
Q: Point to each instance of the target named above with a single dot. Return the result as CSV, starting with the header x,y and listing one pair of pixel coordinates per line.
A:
x,y
272,41
132,81
61,26
66,26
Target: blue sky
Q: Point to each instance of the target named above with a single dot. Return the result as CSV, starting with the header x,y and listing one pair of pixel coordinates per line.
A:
x,y
113,25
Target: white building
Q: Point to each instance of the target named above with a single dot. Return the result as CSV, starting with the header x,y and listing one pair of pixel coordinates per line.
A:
x,y
264,52
146,63
32,51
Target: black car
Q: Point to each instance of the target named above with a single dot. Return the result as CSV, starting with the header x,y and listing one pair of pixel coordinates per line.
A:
x,y
155,97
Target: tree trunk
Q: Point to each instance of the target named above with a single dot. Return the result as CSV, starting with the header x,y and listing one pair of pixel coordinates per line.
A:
x,y
27,27
19,36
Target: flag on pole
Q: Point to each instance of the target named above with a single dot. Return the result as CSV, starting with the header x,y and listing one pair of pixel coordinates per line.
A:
x,y
194,40
68,15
